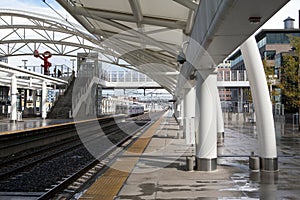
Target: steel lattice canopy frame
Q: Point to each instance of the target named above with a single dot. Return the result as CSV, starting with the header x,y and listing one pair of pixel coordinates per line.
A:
x,y
23,32
147,34
25,79
150,33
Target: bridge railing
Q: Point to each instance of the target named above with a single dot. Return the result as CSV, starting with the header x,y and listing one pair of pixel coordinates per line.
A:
x,y
232,75
65,71
126,76
133,76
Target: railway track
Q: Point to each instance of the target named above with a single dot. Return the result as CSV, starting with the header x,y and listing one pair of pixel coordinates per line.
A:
x,y
77,182
22,162
70,158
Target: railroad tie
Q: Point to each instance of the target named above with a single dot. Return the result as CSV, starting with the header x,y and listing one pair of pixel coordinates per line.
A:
x,y
110,183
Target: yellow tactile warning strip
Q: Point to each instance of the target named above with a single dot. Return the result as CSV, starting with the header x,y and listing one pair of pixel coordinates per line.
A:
x,y
109,184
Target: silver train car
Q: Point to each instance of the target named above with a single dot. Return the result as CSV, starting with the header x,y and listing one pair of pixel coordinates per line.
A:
x,y
130,110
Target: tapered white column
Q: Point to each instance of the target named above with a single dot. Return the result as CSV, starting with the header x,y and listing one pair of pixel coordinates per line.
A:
x,y
181,112
240,100
14,91
189,115
44,100
34,99
220,121
262,104
206,146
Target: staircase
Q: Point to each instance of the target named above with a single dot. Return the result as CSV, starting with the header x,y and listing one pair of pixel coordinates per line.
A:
x,y
62,106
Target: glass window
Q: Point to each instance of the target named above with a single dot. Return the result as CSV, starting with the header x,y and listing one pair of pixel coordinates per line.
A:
x,y
278,61
262,42
237,60
234,75
127,76
114,76
142,78
279,38
270,55
241,75
135,76
121,76
227,76
220,76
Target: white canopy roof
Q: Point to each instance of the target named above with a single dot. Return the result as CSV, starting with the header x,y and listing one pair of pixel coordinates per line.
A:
x,y
150,33
147,34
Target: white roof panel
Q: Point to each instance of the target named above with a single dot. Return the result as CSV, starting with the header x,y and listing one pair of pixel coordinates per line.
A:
x,y
164,9
164,24
111,5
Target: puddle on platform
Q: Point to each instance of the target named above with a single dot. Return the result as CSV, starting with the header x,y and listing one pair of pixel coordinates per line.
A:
x,y
284,184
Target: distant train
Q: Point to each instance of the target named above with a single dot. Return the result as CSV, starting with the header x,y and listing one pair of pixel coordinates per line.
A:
x,y
130,110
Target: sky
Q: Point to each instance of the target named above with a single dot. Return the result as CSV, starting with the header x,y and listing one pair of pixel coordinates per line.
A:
x,y
34,5
289,10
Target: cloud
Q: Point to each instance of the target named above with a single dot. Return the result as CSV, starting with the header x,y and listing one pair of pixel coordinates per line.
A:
x,y
289,10
38,6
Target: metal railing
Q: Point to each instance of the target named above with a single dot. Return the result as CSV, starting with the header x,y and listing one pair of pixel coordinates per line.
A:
x,y
125,76
64,70
232,75
133,76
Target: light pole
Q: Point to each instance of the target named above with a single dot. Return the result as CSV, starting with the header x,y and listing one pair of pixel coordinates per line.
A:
x,y
73,61
25,61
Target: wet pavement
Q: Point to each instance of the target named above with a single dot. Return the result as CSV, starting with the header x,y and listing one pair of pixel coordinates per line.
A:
x,y
27,123
242,139
161,171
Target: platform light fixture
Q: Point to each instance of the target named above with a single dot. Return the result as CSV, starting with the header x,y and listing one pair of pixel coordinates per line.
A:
x,y
254,20
181,56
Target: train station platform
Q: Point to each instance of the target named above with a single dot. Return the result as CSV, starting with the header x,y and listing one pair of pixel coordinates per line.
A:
x,y
6,126
154,167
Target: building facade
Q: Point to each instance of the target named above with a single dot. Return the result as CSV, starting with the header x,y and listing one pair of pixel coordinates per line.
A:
x,y
272,44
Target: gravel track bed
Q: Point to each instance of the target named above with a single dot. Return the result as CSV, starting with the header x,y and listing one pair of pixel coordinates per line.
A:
x,y
45,175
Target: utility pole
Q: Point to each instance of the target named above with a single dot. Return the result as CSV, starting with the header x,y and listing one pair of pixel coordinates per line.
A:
x,y
25,61
73,65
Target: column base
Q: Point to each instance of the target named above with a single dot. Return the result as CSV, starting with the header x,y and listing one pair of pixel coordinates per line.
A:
x,y
254,163
220,137
206,164
269,164
189,163
183,134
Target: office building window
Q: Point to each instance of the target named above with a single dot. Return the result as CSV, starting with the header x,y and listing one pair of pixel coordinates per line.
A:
x,y
280,38
270,55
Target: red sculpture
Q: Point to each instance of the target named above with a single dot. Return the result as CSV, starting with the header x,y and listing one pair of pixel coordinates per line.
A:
x,y
45,56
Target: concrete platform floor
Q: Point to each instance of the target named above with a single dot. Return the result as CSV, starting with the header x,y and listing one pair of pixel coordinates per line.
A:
x,y
161,172
27,123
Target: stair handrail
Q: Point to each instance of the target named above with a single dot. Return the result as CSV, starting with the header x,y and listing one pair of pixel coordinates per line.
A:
x,y
58,97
